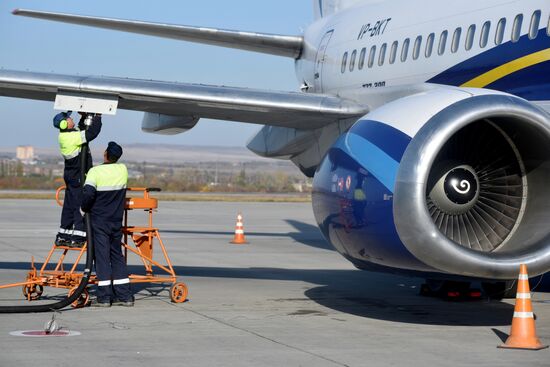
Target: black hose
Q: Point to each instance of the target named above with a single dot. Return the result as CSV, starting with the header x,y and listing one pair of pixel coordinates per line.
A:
x,y
89,258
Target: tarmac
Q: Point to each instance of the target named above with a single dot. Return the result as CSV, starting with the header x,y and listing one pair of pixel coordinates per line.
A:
x,y
285,299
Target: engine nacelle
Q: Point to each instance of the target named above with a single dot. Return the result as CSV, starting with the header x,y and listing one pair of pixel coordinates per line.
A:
x,y
451,181
157,123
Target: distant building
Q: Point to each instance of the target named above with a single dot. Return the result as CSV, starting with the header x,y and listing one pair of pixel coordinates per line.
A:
x,y
25,153
9,167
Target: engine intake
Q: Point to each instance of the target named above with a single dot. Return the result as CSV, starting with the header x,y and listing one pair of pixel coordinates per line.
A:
x,y
472,194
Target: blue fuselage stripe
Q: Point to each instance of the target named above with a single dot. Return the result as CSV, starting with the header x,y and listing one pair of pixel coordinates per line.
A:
x,y
392,141
379,163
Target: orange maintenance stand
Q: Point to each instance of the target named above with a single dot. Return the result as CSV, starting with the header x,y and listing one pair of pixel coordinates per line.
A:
x,y
138,240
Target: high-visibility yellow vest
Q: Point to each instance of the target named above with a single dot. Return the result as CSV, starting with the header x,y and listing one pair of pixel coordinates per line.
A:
x,y
70,143
108,177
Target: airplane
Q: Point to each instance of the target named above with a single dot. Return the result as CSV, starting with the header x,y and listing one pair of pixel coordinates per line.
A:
x,y
425,126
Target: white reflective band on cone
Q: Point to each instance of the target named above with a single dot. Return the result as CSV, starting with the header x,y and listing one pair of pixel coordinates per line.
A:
x,y
523,277
239,231
121,281
523,315
523,295
104,283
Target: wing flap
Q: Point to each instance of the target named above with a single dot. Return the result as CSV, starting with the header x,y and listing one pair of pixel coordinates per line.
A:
x,y
274,44
287,109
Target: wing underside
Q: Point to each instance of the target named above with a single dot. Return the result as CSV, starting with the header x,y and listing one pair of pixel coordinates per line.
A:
x,y
286,109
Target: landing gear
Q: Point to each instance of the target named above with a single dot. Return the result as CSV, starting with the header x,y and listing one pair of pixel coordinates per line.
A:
x,y
500,290
449,290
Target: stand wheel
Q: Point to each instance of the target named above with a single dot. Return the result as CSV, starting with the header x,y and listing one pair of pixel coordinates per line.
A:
x,y
82,300
178,293
32,292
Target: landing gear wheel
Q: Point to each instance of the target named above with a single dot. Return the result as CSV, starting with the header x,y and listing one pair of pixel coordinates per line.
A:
x,y
32,292
446,289
178,293
82,300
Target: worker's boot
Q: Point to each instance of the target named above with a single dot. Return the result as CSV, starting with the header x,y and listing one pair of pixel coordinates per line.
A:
x,y
77,243
62,241
96,303
128,303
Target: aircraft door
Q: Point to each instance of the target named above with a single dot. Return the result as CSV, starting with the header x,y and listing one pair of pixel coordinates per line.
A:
x,y
320,61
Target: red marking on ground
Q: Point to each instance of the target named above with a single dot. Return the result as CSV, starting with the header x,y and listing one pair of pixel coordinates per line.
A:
x,y
43,333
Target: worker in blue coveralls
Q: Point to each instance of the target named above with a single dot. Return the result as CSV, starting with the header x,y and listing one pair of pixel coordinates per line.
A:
x,y
72,232
104,197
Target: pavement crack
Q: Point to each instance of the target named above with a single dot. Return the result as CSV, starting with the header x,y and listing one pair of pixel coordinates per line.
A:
x,y
262,336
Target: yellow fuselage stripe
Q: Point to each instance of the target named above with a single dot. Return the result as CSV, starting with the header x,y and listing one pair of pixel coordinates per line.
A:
x,y
511,67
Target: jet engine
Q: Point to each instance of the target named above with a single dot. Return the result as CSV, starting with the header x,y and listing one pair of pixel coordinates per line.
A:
x,y
453,181
161,124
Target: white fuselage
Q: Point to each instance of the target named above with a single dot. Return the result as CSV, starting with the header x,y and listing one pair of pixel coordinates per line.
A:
x,y
333,61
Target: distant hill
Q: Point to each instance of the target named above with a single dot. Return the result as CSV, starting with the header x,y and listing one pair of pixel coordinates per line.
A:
x,y
166,153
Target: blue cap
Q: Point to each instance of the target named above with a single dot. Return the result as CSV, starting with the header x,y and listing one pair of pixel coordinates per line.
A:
x,y
60,120
114,151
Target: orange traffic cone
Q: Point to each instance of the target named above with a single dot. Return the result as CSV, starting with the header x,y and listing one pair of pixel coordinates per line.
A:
x,y
239,232
523,334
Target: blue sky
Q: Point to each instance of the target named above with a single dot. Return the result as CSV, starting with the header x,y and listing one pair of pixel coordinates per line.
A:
x,y
37,45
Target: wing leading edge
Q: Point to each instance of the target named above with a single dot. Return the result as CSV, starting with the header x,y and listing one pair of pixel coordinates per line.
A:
x,y
286,109
274,44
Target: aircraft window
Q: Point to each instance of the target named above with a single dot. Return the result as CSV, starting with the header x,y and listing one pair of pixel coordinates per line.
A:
x,y
499,35
470,37
352,60
362,58
393,52
442,42
405,50
516,29
372,54
382,54
344,62
430,45
456,39
534,27
484,34
416,49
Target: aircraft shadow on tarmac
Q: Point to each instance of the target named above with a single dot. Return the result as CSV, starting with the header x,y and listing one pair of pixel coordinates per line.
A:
x,y
360,293
305,234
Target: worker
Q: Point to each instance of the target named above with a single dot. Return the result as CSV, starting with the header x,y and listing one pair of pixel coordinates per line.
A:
x,y
72,232
104,197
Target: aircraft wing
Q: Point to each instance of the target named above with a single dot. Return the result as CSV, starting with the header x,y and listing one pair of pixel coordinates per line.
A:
x,y
274,44
286,109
